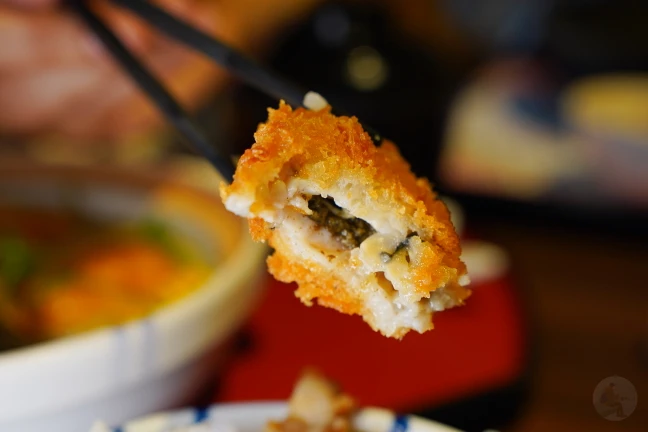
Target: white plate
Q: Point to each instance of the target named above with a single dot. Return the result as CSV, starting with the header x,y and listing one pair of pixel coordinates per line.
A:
x,y
252,417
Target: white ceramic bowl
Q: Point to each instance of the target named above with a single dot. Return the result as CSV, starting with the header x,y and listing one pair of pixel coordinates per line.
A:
x,y
251,417
148,365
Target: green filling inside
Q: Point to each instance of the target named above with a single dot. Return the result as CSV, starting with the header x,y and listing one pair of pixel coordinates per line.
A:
x,y
350,231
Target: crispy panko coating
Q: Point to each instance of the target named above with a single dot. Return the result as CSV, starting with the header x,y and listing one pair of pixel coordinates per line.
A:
x,y
349,222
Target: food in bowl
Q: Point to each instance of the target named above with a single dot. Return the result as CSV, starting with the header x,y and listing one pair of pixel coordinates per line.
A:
x,y
62,273
349,222
164,359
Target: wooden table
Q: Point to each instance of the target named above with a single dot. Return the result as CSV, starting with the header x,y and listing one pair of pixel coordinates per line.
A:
x,y
588,296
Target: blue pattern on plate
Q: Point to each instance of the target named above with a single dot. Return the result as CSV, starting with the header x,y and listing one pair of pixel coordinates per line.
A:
x,y
201,415
400,424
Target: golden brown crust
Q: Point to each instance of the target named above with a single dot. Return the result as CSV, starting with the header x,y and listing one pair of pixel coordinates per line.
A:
x,y
258,229
313,284
342,145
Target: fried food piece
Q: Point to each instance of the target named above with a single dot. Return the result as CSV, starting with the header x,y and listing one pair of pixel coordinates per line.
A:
x,y
348,221
316,405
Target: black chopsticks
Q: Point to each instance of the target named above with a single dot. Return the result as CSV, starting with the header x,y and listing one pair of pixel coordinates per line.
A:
x,y
174,113
229,58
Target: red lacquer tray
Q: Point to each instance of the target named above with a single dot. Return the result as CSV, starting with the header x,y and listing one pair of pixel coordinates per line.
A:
x,y
472,350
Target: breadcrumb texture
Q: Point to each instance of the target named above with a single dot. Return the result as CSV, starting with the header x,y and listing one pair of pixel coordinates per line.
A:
x,y
406,269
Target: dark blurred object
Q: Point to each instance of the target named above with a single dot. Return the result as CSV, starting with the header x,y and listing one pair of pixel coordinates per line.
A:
x,y
502,26
363,66
581,36
593,36
498,408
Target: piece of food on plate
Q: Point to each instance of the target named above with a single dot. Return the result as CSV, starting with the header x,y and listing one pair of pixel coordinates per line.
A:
x,y
348,221
316,404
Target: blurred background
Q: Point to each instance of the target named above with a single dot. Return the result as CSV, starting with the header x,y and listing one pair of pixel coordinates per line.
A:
x,y
531,117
